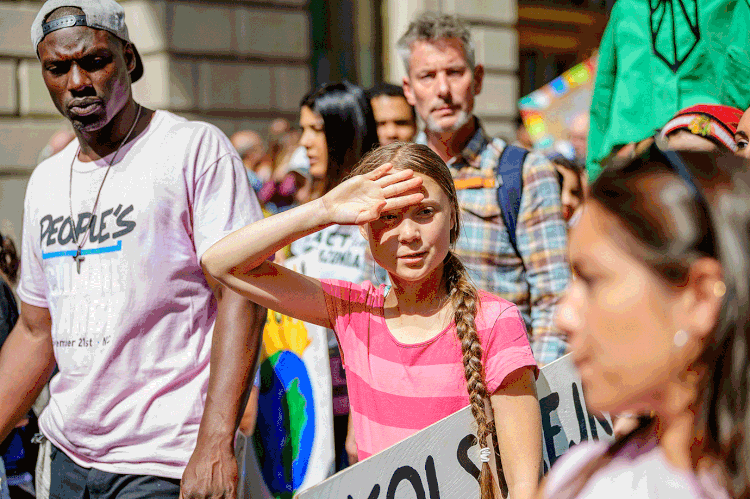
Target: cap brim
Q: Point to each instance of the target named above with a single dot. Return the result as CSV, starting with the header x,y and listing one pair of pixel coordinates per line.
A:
x,y
136,74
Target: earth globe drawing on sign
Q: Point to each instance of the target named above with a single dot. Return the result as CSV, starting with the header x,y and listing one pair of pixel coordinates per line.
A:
x,y
285,427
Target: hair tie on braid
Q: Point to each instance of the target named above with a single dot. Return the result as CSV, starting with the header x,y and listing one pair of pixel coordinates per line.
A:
x,y
465,300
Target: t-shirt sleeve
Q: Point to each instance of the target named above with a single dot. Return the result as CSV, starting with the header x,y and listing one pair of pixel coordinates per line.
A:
x,y
348,310
507,347
32,287
223,201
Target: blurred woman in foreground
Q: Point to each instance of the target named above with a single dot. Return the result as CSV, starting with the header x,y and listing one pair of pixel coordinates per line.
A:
x,y
657,316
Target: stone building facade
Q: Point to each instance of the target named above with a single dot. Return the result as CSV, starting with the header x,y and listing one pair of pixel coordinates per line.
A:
x,y
238,64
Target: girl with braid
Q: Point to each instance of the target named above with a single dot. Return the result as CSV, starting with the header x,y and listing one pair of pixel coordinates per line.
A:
x,y
658,316
420,349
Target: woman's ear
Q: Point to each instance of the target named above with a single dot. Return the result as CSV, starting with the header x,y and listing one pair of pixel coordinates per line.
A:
x,y
703,297
365,231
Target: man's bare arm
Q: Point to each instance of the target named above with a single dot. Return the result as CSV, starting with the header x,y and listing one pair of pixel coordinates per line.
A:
x,y
26,363
212,470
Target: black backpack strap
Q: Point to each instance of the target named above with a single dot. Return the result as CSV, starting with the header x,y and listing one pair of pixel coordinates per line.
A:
x,y
510,170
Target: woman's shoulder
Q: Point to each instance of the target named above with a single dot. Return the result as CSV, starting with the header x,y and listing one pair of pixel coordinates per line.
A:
x,y
571,464
492,307
365,293
639,469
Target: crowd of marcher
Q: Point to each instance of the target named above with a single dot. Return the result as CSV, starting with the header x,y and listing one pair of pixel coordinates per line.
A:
x,y
146,277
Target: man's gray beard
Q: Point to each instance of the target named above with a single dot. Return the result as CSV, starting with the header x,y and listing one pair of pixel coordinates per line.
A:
x,y
461,120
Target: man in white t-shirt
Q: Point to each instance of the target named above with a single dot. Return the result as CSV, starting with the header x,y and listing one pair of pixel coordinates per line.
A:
x,y
149,393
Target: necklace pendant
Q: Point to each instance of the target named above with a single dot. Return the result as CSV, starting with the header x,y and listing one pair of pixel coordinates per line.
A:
x,y
78,258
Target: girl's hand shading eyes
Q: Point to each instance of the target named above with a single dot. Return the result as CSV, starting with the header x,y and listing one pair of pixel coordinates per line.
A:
x,y
363,198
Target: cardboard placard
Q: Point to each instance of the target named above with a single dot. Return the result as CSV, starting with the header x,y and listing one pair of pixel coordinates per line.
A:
x,y
294,424
442,461
547,111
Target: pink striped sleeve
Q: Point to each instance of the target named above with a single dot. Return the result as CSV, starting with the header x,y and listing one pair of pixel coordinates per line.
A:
x,y
506,347
338,306
348,309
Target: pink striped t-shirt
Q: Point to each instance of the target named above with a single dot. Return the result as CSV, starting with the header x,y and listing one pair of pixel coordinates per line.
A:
x,y
397,389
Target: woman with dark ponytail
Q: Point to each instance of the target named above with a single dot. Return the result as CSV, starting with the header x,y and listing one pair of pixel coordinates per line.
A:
x,y
657,318
9,264
421,349
10,448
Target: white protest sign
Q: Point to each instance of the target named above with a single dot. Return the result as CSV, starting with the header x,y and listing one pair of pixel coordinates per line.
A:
x,y
565,418
442,461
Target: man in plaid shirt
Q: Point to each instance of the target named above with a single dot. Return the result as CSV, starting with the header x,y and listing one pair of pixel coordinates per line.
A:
x,y
441,83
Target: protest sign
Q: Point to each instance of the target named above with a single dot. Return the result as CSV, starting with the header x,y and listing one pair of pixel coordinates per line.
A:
x,y
548,111
293,437
442,461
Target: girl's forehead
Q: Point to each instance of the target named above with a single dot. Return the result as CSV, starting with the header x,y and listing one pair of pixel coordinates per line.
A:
x,y
431,189
426,179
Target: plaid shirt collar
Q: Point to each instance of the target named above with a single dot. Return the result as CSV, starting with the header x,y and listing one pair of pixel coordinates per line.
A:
x,y
471,154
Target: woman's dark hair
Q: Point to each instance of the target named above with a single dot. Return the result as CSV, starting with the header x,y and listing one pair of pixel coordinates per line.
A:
x,y
349,124
9,262
675,208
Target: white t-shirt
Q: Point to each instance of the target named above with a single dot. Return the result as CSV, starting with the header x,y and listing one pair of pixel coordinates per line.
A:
x,y
639,470
132,332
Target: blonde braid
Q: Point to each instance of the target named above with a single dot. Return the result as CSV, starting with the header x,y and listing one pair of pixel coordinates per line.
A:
x,y
464,299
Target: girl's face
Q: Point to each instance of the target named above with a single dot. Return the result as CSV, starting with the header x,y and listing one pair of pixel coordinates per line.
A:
x,y
412,243
620,317
314,141
571,191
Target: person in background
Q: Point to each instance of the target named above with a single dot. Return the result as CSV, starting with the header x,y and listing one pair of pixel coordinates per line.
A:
x,y
338,128
332,152
278,131
570,174
395,117
14,448
56,143
283,141
154,356
282,185
442,83
252,150
742,135
656,58
9,269
704,127
657,316
523,138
